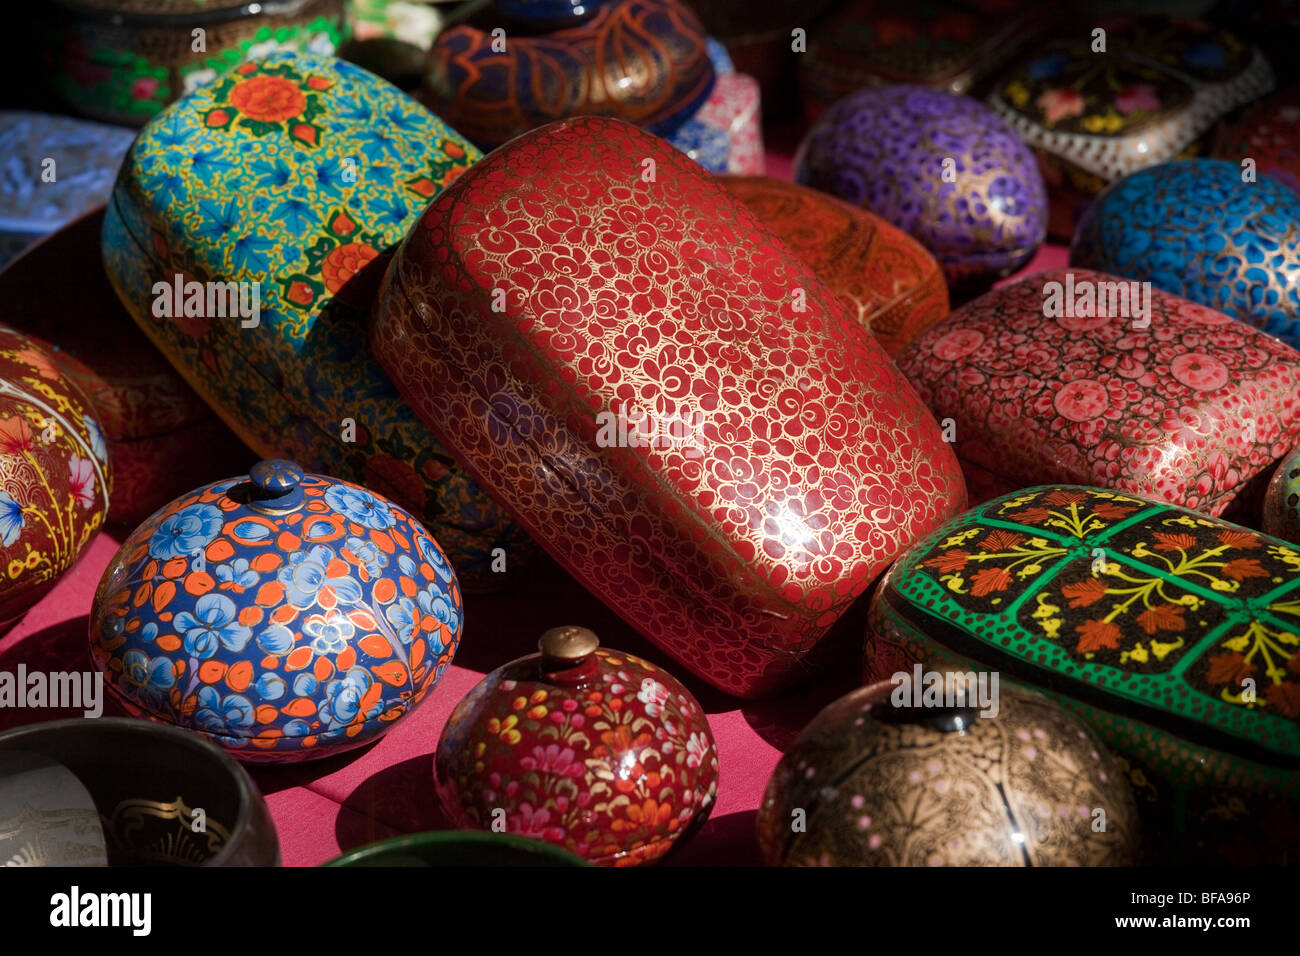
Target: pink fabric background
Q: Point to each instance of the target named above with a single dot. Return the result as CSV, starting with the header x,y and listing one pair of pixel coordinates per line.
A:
x,y
325,808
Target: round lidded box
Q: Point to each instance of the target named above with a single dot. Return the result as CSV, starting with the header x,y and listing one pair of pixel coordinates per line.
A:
x,y
55,478
285,616
594,750
889,776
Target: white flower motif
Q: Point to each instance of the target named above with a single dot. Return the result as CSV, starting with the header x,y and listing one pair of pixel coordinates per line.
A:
x,y
198,78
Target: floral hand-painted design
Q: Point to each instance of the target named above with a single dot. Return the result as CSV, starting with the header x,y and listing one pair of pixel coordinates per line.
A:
x,y
1282,500
1194,228
1178,635
1153,95
300,173
615,769
282,637
54,473
1184,404
128,72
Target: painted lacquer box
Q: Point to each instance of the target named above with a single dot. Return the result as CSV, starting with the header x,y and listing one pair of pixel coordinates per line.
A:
x,y
943,45
1172,634
1267,134
876,780
1195,228
669,400
162,439
282,615
594,750
56,169
296,173
895,286
725,134
942,167
1079,377
124,60
54,473
1282,500
1155,93
644,61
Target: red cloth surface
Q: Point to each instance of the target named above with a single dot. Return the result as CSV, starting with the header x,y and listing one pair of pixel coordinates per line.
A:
x,y
325,808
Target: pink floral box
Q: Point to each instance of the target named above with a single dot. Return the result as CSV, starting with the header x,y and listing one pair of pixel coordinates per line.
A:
x,y
1141,391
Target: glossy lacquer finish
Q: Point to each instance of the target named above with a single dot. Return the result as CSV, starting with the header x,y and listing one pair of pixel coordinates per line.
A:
x,y
594,750
869,783
725,134
55,480
1194,228
884,274
1184,405
776,460
1172,634
1152,96
944,168
644,61
147,784
1282,500
298,172
284,616
124,60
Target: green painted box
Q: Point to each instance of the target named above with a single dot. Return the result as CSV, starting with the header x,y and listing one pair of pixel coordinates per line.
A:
x,y
1172,634
288,181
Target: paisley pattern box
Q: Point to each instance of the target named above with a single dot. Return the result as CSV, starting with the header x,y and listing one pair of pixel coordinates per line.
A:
x,y
895,286
124,60
594,750
54,473
1172,634
941,167
1155,94
283,616
644,61
162,439
1021,787
664,395
949,45
37,197
1194,228
1059,377
296,172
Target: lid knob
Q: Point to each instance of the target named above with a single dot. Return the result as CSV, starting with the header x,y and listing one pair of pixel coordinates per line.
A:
x,y
568,645
568,655
275,486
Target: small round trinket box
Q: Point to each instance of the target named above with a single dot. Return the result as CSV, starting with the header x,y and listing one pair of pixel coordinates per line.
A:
x,y
596,751
285,616
934,772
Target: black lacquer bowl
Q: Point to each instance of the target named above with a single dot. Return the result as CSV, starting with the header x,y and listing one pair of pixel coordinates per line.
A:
x,y
165,797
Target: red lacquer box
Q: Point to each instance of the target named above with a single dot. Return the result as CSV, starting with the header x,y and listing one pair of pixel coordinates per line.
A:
x,y
1086,378
663,394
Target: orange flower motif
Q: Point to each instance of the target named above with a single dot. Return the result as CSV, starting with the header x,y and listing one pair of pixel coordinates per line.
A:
x,y
1094,635
988,580
344,262
15,436
268,99
505,729
39,361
